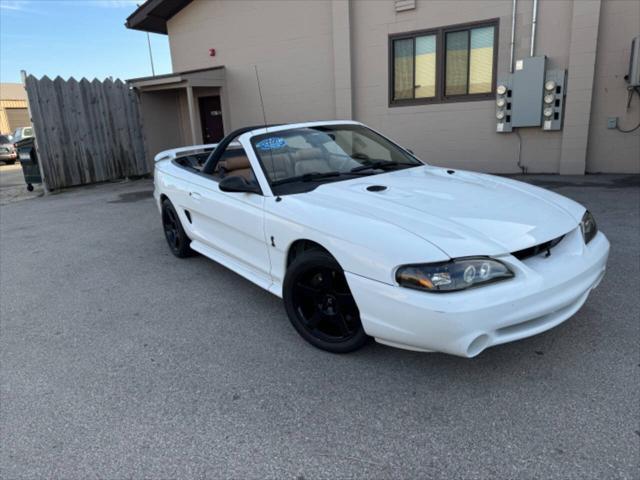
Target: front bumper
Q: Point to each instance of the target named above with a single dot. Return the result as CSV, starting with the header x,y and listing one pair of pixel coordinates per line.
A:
x,y
545,292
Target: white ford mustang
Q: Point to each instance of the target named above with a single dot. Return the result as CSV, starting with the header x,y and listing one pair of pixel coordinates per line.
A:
x,y
362,239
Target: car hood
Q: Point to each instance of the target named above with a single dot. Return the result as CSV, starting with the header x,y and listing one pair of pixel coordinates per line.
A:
x,y
461,213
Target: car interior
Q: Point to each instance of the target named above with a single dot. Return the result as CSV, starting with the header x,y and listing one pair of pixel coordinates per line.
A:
x,y
278,164
234,163
298,156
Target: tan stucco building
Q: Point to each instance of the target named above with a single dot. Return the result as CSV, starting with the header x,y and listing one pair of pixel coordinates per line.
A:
x,y
13,107
423,72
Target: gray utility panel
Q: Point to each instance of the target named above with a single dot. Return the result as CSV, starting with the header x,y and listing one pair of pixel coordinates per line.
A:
x,y
527,86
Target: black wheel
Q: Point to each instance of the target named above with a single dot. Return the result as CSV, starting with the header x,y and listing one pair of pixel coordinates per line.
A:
x,y
10,162
30,187
173,231
320,305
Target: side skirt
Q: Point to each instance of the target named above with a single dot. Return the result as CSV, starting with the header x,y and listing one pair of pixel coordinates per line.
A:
x,y
235,266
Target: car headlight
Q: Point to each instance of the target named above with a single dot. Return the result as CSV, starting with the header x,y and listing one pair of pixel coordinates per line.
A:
x,y
588,227
453,275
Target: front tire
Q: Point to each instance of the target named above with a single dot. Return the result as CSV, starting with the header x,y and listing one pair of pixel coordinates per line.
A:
x,y
320,305
177,239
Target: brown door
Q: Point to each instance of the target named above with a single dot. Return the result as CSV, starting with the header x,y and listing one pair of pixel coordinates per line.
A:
x,y
211,119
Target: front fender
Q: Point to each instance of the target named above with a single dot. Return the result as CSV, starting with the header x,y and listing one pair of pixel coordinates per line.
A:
x,y
362,245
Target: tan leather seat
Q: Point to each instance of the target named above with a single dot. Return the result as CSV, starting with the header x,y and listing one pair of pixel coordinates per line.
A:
x,y
342,162
236,167
309,160
277,165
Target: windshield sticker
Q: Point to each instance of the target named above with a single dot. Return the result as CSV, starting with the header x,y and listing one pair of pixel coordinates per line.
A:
x,y
272,143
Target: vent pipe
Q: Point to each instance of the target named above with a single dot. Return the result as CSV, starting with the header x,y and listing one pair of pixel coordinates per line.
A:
x,y
534,19
513,35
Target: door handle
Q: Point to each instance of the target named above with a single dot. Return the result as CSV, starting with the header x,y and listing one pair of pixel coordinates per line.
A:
x,y
195,195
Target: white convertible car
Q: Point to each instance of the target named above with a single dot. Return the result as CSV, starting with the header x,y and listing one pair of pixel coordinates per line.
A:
x,y
362,239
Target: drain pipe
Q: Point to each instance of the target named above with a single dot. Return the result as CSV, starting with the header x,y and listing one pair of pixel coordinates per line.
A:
x,y
534,19
513,35
511,52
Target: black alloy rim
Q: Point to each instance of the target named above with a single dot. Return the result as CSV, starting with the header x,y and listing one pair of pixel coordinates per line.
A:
x,y
171,230
325,305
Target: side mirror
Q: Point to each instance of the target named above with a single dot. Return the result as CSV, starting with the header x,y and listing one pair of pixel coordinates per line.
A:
x,y
238,184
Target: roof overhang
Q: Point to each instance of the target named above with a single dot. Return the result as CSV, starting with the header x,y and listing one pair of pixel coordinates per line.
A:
x,y
152,15
203,77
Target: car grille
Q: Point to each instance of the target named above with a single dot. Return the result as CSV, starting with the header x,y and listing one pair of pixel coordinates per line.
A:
x,y
537,249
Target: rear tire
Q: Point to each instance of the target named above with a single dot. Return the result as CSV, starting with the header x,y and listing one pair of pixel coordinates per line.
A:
x,y
175,235
320,305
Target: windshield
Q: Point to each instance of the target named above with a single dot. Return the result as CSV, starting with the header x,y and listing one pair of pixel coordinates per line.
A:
x,y
325,153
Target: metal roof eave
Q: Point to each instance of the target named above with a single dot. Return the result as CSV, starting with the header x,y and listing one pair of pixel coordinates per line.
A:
x,y
202,77
152,15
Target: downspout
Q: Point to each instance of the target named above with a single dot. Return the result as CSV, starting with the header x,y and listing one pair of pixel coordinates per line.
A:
x,y
512,48
533,26
513,35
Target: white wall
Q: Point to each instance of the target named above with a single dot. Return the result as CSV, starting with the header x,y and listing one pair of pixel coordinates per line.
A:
x,y
458,134
291,42
299,47
610,150
162,127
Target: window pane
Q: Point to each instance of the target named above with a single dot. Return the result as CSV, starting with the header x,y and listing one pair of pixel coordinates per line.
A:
x,y
425,66
457,61
481,60
403,69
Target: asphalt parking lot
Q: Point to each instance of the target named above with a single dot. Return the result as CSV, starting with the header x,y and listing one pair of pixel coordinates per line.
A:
x,y
12,186
120,361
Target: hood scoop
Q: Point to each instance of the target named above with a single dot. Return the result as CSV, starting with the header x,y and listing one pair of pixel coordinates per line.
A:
x,y
376,188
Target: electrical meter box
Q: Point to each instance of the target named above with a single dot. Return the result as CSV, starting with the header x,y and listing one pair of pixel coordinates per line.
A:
x,y
527,86
503,105
553,99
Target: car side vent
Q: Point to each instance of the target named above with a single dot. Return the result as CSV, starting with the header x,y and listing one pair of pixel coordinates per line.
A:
x,y
537,249
187,213
376,188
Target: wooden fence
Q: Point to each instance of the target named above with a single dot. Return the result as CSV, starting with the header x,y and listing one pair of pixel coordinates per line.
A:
x,y
86,132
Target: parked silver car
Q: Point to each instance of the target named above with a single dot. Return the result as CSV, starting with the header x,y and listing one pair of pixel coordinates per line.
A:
x,y
8,152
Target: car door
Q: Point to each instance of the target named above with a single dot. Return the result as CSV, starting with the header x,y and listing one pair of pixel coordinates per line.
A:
x,y
230,224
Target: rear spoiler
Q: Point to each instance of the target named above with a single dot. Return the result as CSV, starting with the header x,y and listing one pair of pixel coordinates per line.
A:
x,y
179,152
